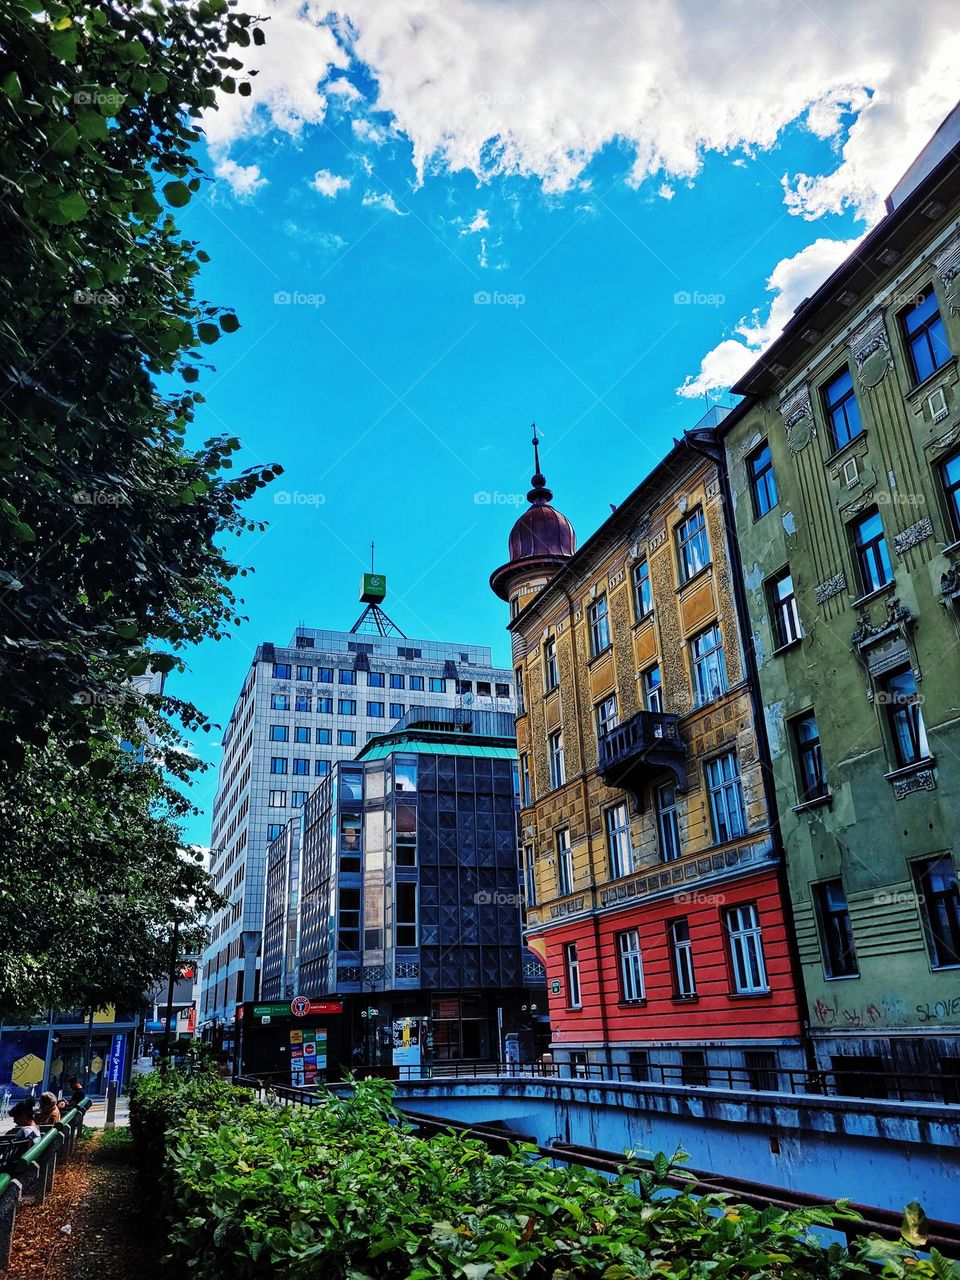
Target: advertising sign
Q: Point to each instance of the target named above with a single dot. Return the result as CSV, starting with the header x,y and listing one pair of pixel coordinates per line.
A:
x,y
407,1042
302,1006
308,1056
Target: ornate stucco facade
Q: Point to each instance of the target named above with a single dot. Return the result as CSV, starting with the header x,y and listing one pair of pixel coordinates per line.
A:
x,y
858,406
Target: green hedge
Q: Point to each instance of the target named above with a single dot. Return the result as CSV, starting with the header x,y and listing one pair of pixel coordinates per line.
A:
x,y
344,1191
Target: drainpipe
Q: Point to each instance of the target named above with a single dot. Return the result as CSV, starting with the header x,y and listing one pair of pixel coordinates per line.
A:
x,y
717,456
585,802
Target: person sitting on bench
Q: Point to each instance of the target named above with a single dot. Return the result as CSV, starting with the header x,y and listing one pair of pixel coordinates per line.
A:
x,y
24,1124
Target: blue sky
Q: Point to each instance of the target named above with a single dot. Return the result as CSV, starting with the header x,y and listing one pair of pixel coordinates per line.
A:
x,y
399,402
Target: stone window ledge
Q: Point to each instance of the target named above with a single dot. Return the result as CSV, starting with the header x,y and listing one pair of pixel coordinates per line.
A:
x,y
818,802
874,595
908,770
927,383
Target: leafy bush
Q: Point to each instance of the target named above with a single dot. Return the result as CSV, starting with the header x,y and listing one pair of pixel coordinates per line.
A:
x,y
344,1191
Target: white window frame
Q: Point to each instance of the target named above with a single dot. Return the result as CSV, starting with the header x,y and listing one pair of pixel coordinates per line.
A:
x,y
667,817
708,665
619,843
725,790
599,614
551,670
529,876
745,939
571,964
681,954
558,774
630,964
564,852
606,715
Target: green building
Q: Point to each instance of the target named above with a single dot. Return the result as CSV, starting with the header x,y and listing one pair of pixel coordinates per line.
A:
x,y
844,471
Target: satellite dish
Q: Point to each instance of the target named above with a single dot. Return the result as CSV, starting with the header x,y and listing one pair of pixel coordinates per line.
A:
x,y
467,699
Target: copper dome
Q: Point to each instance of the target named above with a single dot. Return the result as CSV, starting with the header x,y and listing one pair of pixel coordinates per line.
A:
x,y
541,537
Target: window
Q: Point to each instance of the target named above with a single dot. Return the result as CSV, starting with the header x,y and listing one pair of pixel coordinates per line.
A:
x,y
726,798
346,738
599,626
835,929
405,774
783,609
525,791
681,959
642,593
301,767
274,830
278,800
668,826
325,706
950,477
529,877
397,709
638,1060
464,686
325,675
350,832
503,690
279,702
746,950
709,668
761,1066
631,966
348,920
346,706
406,835
925,336
298,798
375,679
551,674
304,673
899,696
416,683
376,709
606,714
619,845
324,737
564,862
348,677
571,961
870,553
351,785
692,546
841,409
279,733
301,733
484,688
321,768
693,1067
398,682
811,774
278,764
406,921
281,670
763,483
521,706
557,774
438,684
304,701
653,689
939,897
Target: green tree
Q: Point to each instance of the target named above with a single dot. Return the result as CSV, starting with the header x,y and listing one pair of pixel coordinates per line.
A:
x,y
112,528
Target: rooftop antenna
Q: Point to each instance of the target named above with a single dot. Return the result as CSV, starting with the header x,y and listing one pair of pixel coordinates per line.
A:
x,y
373,591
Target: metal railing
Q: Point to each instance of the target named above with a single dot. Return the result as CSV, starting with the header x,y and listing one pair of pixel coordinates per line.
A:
x,y
801,1082
643,731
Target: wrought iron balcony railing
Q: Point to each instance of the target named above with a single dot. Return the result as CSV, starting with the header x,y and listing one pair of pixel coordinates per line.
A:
x,y
645,745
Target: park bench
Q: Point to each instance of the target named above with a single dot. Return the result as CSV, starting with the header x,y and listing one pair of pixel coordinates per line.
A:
x,y
30,1170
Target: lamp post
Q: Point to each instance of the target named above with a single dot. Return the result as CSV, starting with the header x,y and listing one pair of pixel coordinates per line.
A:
x,y
172,977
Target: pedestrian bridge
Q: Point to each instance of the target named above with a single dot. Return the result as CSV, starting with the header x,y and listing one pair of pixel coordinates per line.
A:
x,y
875,1152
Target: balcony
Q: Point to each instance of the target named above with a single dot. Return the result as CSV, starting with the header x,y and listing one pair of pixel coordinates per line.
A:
x,y
645,745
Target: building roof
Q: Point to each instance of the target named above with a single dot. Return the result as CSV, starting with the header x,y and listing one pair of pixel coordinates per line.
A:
x,y
541,539
425,745
928,188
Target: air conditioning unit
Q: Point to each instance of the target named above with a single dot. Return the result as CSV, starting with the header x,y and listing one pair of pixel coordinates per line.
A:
x,y
937,404
851,472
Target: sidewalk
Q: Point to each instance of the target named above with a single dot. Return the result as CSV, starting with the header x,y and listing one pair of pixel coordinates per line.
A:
x,y
90,1225
96,1117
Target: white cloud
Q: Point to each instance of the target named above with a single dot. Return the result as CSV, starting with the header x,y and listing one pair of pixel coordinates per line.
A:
x,y
329,184
480,223
382,200
791,281
366,131
244,180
